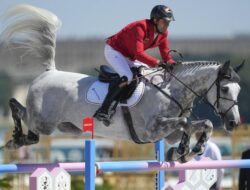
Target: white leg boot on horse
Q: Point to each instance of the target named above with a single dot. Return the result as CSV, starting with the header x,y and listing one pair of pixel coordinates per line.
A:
x,y
104,113
183,153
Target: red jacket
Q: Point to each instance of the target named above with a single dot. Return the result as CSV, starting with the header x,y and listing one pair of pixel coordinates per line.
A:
x,y
138,36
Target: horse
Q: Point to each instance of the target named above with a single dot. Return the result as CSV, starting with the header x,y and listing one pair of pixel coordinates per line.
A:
x,y
57,99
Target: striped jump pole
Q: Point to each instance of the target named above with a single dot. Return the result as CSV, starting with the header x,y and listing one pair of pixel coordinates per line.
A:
x,y
29,168
135,166
129,166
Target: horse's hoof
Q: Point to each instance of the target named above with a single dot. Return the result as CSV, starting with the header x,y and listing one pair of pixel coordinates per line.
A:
x,y
199,151
13,145
172,154
185,158
182,159
28,141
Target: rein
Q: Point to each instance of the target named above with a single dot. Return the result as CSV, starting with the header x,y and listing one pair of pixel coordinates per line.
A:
x,y
168,96
203,96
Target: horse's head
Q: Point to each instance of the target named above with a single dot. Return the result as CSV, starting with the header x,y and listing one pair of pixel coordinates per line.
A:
x,y
224,95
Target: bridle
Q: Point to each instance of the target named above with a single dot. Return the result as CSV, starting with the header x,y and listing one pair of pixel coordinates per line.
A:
x,y
220,77
202,97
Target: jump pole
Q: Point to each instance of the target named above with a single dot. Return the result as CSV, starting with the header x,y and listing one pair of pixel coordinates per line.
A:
x,y
154,165
129,166
90,170
72,167
89,154
159,155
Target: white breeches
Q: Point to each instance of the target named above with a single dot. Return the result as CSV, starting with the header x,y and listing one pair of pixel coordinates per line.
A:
x,y
120,63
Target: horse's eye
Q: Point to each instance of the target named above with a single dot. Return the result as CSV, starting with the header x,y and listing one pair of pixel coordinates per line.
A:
x,y
225,89
227,76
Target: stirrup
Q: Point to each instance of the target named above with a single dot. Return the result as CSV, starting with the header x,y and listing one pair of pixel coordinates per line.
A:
x,y
101,116
105,118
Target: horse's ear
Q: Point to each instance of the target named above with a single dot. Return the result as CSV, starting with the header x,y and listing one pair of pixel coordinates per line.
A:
x,y
225,67
239,67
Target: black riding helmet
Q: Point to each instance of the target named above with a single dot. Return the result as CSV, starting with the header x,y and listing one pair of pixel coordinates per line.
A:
x,y
162,12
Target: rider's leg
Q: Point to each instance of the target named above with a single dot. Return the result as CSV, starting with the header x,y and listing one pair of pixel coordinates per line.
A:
x,y
103,112
121,65
118,62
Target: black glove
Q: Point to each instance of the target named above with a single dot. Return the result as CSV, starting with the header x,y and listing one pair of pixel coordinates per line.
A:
x,y
166,65
176,63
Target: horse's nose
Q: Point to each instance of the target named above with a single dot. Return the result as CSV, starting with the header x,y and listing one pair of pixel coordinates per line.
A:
x,y
233,123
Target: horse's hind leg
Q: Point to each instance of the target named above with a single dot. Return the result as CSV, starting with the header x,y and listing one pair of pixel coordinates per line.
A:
x,y
17,111
19,138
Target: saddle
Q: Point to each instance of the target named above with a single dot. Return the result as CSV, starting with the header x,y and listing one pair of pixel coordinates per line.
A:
x,y
108,75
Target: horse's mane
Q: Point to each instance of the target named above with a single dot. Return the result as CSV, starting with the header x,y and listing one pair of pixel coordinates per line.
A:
x,y
187,67
195,66
198,63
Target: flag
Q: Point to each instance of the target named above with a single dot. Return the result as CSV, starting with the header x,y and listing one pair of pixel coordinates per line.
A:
x,y
88,125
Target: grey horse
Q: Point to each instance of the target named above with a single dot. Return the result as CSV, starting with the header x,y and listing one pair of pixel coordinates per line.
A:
x,y
56,98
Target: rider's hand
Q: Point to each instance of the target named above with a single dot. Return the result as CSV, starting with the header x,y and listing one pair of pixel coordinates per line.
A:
x,y
176,63
165,65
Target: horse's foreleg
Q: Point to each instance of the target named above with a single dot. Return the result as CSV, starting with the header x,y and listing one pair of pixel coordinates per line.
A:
x,y
204,126
177,154
169,126
161,127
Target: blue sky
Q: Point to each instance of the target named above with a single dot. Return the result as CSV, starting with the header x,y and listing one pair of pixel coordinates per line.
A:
x,y
102,18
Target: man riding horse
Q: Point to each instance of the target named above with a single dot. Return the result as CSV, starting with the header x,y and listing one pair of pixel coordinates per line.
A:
x,y
59,99
124,49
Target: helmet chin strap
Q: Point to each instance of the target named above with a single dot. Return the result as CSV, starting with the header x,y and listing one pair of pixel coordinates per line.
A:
x,y
157,30
156,27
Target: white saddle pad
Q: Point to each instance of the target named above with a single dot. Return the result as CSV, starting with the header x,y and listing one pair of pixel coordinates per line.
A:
x,y
98,91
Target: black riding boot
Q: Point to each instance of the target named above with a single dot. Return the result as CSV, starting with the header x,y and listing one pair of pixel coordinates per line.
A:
x,y
102,114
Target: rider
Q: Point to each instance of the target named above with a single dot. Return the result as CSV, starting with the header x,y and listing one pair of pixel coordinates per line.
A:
x,y
124,49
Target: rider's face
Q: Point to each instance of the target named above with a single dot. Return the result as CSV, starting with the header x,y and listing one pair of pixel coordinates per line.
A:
x,y
162,25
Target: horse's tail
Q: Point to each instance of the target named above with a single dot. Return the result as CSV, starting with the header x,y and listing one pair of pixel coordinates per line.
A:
x,y
32,29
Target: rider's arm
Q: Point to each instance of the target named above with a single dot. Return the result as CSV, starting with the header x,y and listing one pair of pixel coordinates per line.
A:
x,y
138,48
163,48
